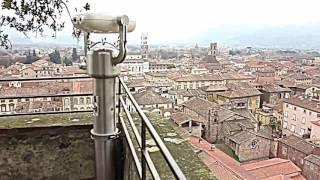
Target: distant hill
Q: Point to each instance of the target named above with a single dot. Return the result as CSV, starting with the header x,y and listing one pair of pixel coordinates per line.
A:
x,y
280,36
305,36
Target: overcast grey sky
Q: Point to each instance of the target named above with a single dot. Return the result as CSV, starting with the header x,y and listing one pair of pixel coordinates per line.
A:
x,y
170,20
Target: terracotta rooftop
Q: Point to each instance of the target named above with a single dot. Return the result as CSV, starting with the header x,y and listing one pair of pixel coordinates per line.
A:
x,y
296,76
150,98
298,143
236,76
202,77
180,118
199,105
242,136
188,92
304,103
315,159
232,94
236,124
273,88
222,165
272,168
278,177
213,88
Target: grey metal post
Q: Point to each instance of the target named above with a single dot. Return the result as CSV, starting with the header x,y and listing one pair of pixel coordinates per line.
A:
x,y
104,130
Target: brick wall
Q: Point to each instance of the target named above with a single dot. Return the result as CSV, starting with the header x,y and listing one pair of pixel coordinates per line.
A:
x,y
293,155
311,171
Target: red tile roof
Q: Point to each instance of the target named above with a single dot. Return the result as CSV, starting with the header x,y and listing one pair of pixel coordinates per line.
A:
x,y
272,167
230,166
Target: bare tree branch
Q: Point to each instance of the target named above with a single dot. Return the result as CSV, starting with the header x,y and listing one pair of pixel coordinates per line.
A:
x,y
34,16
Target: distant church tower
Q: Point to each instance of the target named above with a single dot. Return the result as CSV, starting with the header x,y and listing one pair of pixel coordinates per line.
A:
x,y
144,46
213,49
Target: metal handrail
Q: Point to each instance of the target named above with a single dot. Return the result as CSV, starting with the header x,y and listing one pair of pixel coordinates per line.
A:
x,y
131,147
148,159
146,124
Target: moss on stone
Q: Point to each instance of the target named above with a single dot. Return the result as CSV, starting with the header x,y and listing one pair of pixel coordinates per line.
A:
x,y
187,159
46,120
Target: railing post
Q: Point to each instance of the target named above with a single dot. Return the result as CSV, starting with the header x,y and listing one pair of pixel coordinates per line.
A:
x,y
104,130
143,150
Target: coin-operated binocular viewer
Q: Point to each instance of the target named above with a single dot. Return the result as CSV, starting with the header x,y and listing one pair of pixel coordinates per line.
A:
x,y
101,65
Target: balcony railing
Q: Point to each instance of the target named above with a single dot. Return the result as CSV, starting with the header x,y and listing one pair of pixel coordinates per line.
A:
x,y
140,136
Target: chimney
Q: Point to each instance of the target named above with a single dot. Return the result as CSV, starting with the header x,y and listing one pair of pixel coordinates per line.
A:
x,y
243,128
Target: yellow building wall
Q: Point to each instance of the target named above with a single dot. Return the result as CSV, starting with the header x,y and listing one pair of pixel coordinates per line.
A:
x,y
254,103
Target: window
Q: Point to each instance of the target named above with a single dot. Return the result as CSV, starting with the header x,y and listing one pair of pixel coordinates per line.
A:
x,y
294,108
301,161
285,124
286,114
3,101
311,166
310,113
11,107
303,120
66,102
294,117
293,128
88,100
11,100
287,105
304,111
284,150
3,108
75,100
82,100
185,86
302,131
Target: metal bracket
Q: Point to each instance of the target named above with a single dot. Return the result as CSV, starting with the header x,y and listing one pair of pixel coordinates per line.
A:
x,y
104,137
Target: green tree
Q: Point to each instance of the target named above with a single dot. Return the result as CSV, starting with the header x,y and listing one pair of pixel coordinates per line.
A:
x,y
74,55
30,58
55,57
34,16
67,61
171,66
34,53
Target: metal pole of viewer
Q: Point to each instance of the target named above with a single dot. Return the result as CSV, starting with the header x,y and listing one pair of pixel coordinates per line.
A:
x,y
102,67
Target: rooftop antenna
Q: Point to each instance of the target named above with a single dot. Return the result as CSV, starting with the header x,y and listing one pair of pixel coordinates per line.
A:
x,y
101,65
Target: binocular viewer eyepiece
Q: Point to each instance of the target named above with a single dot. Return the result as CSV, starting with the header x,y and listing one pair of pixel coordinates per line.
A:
x,y
102,23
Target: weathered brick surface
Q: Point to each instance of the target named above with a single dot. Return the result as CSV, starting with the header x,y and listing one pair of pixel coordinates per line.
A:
x,y
54,153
